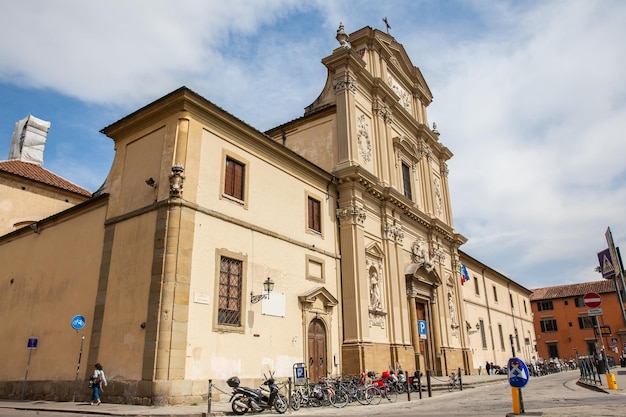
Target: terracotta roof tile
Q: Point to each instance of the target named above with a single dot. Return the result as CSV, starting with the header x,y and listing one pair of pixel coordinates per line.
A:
x,y
37,173
572,290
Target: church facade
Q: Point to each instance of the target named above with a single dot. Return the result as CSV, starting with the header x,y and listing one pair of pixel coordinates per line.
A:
x,y
400,261
213,249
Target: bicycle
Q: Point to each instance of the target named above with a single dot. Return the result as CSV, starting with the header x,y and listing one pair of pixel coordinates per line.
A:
x,y
453,382
355,390
382,388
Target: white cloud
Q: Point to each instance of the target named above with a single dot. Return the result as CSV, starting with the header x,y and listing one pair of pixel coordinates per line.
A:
x,y
530,97
534,119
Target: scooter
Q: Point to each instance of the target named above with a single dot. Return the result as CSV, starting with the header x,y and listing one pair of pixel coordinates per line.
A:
x,y
415,381
244,399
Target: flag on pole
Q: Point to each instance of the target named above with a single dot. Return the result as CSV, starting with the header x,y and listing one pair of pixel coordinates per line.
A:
x,y
464,275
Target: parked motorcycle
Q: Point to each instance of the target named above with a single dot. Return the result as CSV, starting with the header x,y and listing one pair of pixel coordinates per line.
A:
x,y
244,399
415,381
392,379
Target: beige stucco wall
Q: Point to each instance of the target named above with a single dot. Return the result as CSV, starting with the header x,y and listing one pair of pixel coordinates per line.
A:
x,y
270,232
480,304
122,339
47,279
25,201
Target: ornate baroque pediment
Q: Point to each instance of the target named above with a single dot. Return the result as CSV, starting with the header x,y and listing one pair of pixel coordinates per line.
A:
x,y
319,296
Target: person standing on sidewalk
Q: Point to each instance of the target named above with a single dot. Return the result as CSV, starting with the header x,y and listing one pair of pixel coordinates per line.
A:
x,y
99,380
488,368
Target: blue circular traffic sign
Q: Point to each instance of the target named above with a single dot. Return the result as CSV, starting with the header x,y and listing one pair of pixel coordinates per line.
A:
x,y
78,322
518,373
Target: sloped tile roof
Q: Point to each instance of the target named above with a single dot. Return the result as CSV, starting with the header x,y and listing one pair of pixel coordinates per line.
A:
x,y
37,173
572,290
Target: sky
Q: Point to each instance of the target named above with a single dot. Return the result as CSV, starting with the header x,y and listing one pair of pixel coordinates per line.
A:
x,y
530,96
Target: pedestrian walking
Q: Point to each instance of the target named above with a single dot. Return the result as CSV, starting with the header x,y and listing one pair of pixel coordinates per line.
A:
x,y
488,368
98,380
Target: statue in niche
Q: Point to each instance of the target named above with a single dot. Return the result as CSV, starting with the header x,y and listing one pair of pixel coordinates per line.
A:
x,y
374,290
452,311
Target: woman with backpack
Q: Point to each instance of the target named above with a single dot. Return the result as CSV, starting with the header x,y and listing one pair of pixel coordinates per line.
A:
x,y
98,380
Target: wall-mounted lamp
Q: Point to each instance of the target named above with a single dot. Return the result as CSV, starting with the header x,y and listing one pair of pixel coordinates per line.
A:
x,y
469,328
151,182
268,286
35,227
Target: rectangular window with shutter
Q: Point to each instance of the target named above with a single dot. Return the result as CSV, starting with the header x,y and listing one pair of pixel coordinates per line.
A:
x,y
314,214
234,179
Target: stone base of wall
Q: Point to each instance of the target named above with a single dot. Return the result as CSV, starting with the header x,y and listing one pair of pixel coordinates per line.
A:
x,y
157,393
377,357
451,360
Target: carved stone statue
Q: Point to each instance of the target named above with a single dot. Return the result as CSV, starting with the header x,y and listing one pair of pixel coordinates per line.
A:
x,y
421,254
374,290
452,312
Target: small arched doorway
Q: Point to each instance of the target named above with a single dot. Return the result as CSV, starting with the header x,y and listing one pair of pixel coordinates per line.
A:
x,y
317,350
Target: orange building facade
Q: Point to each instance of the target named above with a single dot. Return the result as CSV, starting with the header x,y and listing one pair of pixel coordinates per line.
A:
x,y
565,326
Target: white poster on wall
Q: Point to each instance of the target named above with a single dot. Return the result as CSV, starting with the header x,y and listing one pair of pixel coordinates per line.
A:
x,y
275,306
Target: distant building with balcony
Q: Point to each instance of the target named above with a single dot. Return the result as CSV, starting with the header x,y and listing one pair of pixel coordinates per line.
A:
x,y
565,327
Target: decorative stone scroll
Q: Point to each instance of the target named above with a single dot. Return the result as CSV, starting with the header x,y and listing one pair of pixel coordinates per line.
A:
x,y
381,110
344,82
393,232
437,253
351,215
425,150
443,169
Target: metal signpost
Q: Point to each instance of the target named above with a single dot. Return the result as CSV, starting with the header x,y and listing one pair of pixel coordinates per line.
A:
x,y
593,301
518,378
31,345
611,267
78,322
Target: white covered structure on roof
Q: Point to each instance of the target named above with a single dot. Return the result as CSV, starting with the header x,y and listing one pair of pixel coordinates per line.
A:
x,y
29,140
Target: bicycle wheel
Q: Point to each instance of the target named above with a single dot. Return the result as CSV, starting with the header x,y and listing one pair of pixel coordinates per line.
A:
x,y
338,398
390,394
373,394
362,396
296,400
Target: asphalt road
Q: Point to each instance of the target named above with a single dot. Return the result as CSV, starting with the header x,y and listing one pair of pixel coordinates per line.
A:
x,y
551,396
555,395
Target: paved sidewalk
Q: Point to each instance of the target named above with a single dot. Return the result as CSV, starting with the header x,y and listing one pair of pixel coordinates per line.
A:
x,y
222,407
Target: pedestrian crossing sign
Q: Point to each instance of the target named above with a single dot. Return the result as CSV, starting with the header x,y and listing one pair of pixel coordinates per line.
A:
x,y
606,263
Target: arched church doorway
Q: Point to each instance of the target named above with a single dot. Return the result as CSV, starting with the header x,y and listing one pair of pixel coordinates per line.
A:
x,y
317,350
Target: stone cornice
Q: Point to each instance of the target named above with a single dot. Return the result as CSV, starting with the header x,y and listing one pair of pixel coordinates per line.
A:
x,y
369,184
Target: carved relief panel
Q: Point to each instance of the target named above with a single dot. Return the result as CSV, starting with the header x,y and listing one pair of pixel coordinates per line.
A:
x,y
364,139
404,96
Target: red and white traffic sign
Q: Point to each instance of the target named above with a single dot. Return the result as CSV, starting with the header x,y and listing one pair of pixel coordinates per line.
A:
x,y
592,300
